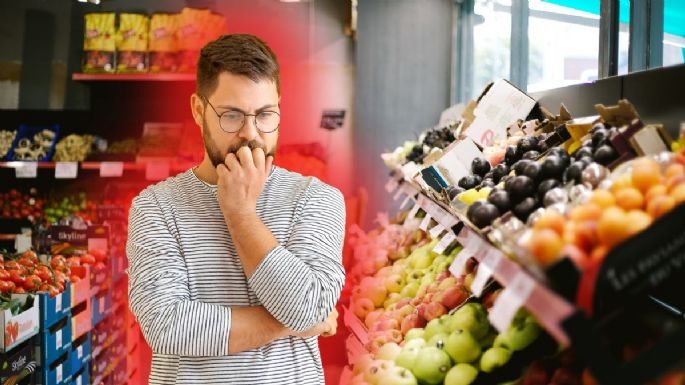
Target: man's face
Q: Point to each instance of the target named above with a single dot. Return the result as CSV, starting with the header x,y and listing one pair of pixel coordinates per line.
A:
x,y
239,93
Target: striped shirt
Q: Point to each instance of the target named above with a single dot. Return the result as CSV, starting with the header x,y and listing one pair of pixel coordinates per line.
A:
x,y
185,276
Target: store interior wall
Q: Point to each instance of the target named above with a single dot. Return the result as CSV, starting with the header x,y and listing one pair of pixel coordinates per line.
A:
x,y
402,85
316,58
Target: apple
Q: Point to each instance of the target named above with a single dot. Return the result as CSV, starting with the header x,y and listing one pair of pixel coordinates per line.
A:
x,y
397,376
472,317
461,374
374,290
362,362
410,289
386,324
438,340
394,283
519,336
421,258
362,307
403,302
415,275
389,351
412,321
381,259
452,296
436,326
376,371
468,280
434,310
392,299
488,340
431,365
385,272
536,374
415,343
447,282
429,279
462,346
399,270
372,318
407,357
404,310
494,358
436,262
415,333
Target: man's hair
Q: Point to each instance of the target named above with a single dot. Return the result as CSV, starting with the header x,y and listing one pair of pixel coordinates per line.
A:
x,y
239,54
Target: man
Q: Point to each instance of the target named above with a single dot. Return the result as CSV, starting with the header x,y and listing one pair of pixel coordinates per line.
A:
x,y
235,265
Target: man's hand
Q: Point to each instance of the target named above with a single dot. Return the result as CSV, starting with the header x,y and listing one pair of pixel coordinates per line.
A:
x,y
241,181
326,328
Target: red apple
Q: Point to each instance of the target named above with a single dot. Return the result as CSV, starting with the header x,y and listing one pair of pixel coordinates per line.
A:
x,y
402,303
536,374
452,297
362,307
434,310
413,320
490,298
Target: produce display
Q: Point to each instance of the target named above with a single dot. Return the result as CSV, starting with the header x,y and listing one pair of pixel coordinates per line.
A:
x,y
73,148
38,210
33,144
6,140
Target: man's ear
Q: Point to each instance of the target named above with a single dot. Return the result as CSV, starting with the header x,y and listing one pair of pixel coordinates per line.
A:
x,y
197,107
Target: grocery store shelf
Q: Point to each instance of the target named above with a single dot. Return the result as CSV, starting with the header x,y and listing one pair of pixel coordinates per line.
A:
x,y
163,77
98,166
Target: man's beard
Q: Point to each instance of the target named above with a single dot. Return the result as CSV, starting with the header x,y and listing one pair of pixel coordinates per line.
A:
x,y
215,154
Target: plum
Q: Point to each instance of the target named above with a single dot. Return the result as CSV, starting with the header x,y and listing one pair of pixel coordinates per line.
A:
x,y
480,166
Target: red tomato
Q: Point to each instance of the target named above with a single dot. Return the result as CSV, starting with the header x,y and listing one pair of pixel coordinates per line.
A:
x,y
18,277
60,278
10,286
11,265
42,271
19,290
73,261
4,275
32,282
53,291
87,259
30,254
80,271
27,262
100,266
5,286
44,287
99,256
74,278
58,262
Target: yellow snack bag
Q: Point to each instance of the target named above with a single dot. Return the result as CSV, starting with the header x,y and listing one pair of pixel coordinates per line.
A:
x,y
132,32
99,33
162,33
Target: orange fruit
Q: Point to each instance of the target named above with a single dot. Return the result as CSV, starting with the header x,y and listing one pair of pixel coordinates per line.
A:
x,y
630,198
678,193
675,169
602,198
585,236
660,205
599,253
551,220
585,212
646,173
545,245
672,182
638,220
611,228
655,190
622,181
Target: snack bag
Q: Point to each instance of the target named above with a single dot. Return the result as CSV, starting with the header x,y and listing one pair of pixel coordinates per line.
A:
x,y
162,47
195,29
132,42
99,42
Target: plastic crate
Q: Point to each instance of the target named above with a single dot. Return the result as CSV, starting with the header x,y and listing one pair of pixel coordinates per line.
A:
x,y
55,340
80,355
82,319
53,309
101,305
26,131
57,373
82,377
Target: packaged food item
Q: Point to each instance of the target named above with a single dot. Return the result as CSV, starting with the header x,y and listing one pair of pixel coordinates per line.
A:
x,y
196,27
162,42
99,42
73,148
132,42
6,139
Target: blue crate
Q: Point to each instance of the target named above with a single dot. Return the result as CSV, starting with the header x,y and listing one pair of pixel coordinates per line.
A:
x,y
26,131
57,373
54,309
80,355
53,344
82,377
101,305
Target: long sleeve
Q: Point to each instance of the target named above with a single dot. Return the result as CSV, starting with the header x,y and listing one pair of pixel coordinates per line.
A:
x,y
159,295
300,282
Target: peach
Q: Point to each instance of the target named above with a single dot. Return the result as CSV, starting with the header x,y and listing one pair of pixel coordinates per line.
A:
x,y
630,198
646,173
638,220
551,220
546,245
675,169
660,205
678,193
654,191
589,211
602,198
611,228
622,181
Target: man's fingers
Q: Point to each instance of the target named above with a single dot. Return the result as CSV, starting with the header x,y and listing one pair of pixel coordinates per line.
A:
x,y
258,158
245,156
232,162
221,170
269,163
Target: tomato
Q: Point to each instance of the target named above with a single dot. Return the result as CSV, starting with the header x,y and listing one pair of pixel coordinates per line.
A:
x,y
42,271
32,282
10,286
30,254
4,275
53,291
60,278
12,265
73,261
27,262
19,290
74,278
5,286
87,259
80,271
100,266
44,287
18,277
58,262
99,256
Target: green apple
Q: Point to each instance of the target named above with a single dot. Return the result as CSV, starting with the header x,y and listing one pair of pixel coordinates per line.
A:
x,y
472,317
398,376
394,283
494,358
376,371
410,290
447,283
421,258
461,374
407,357
415,276
392,299
439,259
435,326
431,365
438,340
415,333
519,336
488,340
415,343
428,278
389,351
462,347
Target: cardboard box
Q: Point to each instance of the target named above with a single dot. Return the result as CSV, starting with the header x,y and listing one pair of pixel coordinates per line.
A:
x,y
55,340
54,309
15,361
20,327
454,164
81,319
80,354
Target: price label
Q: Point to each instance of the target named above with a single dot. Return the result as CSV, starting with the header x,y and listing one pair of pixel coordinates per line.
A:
x,y
485,269
425,222
26,169
58,303
58,338
79,380
111,169
101,304
79,352
459,263
436,231
58,372
405,202
66,170
444,242
22,242
391,186
515,295
397,195
412,214
156,170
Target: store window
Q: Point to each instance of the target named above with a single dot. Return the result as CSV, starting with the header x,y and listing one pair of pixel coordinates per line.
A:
x,y
563,43
623,35
674,32
492,37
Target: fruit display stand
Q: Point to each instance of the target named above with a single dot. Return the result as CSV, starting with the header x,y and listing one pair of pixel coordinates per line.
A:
x,y
556,216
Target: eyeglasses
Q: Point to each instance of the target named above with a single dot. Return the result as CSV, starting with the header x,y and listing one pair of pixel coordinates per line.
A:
x,y
232,121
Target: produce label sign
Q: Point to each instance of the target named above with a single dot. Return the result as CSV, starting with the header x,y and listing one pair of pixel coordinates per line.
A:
x,y
67,234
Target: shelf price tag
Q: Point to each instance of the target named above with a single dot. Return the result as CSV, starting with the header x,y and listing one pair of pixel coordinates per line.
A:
x,y
66,170
26,169
392,185
156,170
58,373
459,263
22,242
111,169
58,339
515,295
411,216
425,222
436,230
444,242
485,269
